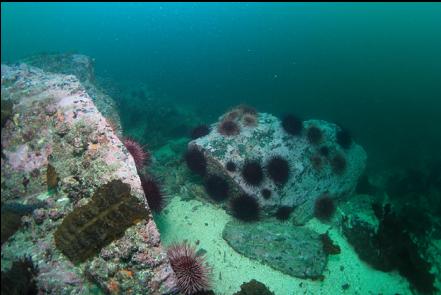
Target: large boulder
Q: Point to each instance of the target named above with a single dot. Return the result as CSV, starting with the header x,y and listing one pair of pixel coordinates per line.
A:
x,y
84,214
316,166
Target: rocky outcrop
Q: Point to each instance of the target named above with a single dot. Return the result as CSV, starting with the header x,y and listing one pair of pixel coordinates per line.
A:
x,y
82,67
315,168
94,224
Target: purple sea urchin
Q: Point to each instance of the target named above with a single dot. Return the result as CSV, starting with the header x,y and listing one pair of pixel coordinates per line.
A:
x,y
278,169
153,193
314,135
216,187
196,161
252,173
324,207
200,131
338,164
283,213
245,208
292,125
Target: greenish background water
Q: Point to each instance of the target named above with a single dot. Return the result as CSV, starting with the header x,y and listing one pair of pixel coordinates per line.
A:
x,y
374,68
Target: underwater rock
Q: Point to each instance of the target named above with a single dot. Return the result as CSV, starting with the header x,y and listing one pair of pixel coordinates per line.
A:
x,y
82,67
295,251
298,187
98,206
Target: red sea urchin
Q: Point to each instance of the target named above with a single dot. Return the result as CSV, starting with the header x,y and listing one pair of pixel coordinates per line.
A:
x,y
155,198
249,120
135,149
228,128
192,273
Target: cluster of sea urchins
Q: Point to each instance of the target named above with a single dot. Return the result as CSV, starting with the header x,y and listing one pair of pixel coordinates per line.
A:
x,y
277,168
192,272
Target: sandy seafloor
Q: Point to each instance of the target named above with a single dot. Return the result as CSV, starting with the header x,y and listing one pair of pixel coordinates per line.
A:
x,y
194,220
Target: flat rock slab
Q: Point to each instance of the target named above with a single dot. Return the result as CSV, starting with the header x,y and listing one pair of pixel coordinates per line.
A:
x,y
295,251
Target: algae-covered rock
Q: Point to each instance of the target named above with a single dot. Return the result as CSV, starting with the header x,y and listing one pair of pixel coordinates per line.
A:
x,y
295,251
317,163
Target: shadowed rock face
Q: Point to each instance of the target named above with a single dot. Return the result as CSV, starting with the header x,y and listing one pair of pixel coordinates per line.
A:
x,y
87,229
295,251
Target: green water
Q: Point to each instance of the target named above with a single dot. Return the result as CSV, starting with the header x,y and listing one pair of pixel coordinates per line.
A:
x,y
373,68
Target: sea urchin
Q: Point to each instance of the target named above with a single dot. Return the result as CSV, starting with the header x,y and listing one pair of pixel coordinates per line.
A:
x,y
338,164
283,213
200,131
292,125
278,169
135,149
228,128
196,161
192,272
314,135
252,173
153,193
216,187
324,207
245,208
